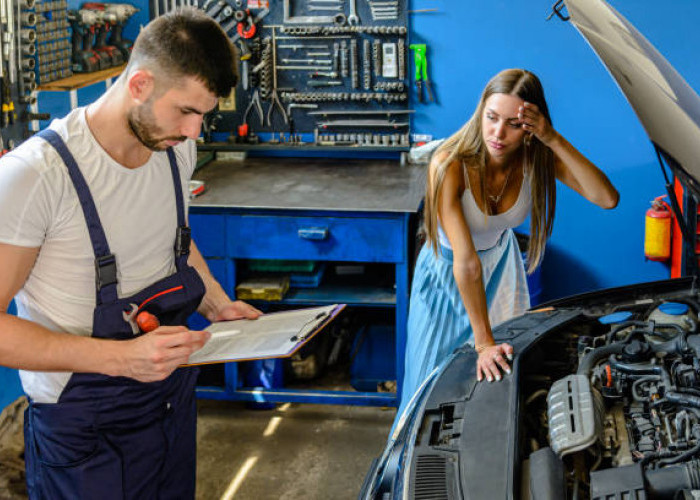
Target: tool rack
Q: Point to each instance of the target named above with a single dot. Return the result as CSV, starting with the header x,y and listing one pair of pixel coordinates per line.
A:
x,y
315,74
18,77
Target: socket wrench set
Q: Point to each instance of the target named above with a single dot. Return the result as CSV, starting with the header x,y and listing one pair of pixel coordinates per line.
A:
x,y
316,72
18,77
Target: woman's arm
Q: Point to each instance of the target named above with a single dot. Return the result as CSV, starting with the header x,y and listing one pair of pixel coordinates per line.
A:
x,y
468,276
572,168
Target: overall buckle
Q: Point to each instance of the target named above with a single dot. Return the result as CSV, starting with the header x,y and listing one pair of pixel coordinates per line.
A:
x,y
105,271
183,240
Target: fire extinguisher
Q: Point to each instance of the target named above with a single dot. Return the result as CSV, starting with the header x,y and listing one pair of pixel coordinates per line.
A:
x,y
657,230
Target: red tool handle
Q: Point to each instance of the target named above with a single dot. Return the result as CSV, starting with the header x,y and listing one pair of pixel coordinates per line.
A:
x,y
147,322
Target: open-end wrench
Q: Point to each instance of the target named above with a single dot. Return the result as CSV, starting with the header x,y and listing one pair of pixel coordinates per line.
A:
x,y
353,20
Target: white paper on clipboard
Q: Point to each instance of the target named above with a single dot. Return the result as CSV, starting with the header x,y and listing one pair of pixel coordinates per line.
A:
x,y
274,335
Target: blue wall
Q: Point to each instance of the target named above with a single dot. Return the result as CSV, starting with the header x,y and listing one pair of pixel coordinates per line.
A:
x,y
469,41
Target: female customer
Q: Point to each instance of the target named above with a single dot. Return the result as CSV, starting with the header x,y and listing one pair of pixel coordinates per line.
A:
x,y
500,167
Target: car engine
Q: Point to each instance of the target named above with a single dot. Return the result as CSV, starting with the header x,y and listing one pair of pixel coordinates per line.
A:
x,y
612,406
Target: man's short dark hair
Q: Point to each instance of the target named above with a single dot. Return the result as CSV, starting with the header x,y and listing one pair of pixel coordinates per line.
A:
x,y
187,42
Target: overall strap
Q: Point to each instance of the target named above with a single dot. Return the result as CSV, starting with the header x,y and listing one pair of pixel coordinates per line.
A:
x,y
105,262
183,237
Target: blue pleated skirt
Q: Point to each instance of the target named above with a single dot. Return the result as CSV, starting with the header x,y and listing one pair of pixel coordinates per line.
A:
x,y
437,320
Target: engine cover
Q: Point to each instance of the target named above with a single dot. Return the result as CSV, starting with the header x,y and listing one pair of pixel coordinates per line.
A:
x,y
575,415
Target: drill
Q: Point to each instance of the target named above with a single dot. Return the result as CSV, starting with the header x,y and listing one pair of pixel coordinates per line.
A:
x,y
110,54
82,22
122,11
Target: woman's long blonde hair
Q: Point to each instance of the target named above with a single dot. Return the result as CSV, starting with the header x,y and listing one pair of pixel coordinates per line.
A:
x,y
467,147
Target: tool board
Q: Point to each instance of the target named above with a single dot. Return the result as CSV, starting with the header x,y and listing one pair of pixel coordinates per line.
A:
x,y
20,30
316,72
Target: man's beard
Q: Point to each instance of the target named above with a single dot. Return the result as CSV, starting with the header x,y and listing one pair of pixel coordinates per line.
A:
x,y
142,123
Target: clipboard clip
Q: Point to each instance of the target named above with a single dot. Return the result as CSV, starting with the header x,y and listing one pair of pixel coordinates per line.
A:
x,y
312,321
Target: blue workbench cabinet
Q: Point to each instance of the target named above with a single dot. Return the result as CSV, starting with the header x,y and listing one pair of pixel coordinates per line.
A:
x,y
360,213
381,238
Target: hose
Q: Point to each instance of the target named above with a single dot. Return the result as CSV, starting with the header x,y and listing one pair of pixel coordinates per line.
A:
x,y
635,386
647,369
592,358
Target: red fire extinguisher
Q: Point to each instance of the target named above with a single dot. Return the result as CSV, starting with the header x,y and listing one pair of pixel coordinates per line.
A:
x,y
657,230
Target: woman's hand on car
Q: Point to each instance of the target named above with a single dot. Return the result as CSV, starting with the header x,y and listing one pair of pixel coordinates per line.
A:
x,y
492,360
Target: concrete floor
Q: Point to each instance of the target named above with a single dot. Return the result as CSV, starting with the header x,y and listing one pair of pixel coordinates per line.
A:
x,y
295,451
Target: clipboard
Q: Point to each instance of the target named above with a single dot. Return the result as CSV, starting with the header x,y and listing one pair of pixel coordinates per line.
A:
x,y
274,335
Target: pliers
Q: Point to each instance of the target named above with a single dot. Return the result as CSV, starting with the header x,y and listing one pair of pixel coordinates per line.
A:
x,y
275,101
254,104
421,60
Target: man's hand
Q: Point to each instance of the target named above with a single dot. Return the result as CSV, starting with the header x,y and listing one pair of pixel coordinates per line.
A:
x,y
155,355
237,310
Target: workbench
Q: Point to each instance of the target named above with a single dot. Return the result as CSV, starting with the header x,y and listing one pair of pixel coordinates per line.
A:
x,y
331,210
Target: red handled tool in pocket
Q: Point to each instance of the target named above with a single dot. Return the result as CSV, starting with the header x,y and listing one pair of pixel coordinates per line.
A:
x,y
147,322
142,321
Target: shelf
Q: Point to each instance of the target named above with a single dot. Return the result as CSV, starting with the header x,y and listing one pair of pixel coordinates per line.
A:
x,y
334,294
80,80
288,146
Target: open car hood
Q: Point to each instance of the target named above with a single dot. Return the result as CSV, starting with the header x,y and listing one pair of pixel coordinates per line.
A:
x,y
667,107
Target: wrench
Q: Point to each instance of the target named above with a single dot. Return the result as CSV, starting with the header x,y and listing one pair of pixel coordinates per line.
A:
x,y
353,20
323,7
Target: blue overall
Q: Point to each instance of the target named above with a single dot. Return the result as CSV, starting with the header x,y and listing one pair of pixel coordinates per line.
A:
x,y
114,437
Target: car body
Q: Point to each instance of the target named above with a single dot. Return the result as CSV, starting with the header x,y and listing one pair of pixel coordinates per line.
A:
x,y
604,397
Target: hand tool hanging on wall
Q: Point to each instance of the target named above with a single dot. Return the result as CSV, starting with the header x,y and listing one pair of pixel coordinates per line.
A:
x,y
344,58
354,71
3,59
290,107
10,58
245,57
401,52
257,106
274,98
421,60
245,24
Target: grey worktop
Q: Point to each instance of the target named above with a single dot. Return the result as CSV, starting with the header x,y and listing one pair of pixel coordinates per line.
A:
x,y
313,184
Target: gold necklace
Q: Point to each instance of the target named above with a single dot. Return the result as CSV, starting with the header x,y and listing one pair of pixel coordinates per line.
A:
x,y
496,198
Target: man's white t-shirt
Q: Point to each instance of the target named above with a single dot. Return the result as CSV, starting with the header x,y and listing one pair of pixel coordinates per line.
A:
x,y
39,207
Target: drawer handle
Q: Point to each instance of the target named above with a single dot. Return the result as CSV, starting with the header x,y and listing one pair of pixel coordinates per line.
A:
x,y
313,233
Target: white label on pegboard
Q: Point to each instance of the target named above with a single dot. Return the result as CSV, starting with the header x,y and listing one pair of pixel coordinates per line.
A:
x,y
422,137
258,4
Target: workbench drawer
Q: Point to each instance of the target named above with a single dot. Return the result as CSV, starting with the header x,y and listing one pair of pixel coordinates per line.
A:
x,y
315,238
208,233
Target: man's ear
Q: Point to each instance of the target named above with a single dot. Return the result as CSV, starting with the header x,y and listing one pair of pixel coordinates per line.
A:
x,y
141,84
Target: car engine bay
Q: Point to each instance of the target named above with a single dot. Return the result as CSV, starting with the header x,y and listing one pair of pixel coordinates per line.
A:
x,y
610,405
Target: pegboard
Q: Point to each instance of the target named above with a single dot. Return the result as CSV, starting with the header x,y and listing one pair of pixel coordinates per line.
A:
x,y
317,72
18,78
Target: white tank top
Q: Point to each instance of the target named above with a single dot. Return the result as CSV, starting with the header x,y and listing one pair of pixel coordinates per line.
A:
x,y
487,230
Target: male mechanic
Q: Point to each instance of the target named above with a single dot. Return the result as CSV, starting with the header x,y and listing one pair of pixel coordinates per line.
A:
x,y
94,229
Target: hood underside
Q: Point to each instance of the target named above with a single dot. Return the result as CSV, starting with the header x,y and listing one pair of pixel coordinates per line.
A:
x,y
667,107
